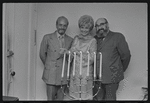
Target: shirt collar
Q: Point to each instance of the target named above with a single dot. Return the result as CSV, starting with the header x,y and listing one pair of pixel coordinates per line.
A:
x,y
58,35
101,37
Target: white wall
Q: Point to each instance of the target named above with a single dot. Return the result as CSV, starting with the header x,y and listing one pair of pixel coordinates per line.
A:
x,y
127,18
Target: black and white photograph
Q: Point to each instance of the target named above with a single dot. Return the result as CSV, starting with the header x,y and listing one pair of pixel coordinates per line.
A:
x,y
75,51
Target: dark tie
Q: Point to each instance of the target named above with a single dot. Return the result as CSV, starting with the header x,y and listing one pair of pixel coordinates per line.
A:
x,y
102,37
99,42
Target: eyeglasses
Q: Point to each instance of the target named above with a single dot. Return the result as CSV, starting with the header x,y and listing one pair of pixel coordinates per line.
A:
x,y
101,24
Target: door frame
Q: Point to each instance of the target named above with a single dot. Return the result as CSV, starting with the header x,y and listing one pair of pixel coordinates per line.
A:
x,y
31,79
4,52
7,61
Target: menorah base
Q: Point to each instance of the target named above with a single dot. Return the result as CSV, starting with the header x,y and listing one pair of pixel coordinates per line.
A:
x,y
90,97
81,95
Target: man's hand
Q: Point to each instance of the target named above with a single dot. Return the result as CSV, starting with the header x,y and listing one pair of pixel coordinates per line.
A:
x,y
62,50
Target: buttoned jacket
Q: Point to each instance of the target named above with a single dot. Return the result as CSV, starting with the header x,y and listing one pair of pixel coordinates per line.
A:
x,y
52,59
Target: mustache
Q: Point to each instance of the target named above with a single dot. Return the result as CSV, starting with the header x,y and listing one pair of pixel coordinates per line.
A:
x,y
61,29
100,29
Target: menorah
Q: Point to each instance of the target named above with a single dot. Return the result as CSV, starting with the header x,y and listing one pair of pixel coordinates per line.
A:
x,y
80,73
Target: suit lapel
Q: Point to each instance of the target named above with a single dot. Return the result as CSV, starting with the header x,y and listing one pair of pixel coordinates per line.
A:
x,y
55,41
109,35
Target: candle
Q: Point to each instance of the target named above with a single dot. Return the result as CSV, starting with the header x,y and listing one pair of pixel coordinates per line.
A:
x,y
68,65
74,63
80,63
63,67
100,71
88,64
94,65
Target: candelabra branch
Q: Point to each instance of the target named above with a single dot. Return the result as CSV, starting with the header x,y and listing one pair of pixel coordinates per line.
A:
x,y
80,78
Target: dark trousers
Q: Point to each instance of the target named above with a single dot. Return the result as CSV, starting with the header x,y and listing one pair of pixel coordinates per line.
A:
x,y
107,91
54,92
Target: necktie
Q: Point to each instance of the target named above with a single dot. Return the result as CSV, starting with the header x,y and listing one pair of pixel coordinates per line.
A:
x,y
61,40
99,42
100,39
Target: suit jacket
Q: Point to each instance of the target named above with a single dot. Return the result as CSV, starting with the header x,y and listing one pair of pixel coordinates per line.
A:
x,y
115,57
52,60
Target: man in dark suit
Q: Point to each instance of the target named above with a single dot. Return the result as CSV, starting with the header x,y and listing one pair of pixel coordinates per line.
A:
x,y
52,49
115,60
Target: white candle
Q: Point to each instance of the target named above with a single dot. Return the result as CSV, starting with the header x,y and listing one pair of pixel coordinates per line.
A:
x,y
88,64
68,65
80,63
63,67
100,71
94,65
74,63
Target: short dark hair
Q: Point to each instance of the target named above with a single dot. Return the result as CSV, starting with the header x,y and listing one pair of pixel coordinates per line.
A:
x,y
62,17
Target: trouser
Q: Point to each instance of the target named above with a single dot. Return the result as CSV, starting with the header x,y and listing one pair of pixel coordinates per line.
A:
x,y
54,92
107,91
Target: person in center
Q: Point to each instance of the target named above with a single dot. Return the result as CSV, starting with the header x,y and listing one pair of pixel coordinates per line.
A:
x,y
84,42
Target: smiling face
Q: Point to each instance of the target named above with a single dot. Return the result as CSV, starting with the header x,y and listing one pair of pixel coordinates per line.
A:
x,y
85,30
85,24
62,25
101,26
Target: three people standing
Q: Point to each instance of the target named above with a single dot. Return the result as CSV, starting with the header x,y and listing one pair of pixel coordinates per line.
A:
x,y
112,45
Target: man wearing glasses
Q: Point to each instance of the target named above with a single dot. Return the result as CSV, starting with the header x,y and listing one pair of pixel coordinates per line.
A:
x,y
115,60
